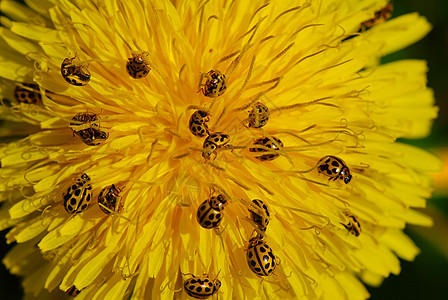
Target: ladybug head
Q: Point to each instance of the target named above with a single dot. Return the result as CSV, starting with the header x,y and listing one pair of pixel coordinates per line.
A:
x,y
346,175
84,176
202,113
206,153
218,202
138,59
208,149
103,135
216,285
347,179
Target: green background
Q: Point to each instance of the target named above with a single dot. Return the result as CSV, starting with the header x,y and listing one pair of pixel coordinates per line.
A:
x,y
427,276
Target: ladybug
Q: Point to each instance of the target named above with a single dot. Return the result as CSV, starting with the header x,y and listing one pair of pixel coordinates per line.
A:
x,y
78,196
201,287
267,142
353,225
209,214
215,84
380,16
259,257
137,66
261,215
92,136
197,124
75,74
259,116
334,168
81,119
109,199
73,291
214,142
28,93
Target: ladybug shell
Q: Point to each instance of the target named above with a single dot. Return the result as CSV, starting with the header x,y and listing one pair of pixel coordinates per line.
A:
x,y
353,226
380,16
259,257
201,287
272,143
74,74
92,136
78,196
215,85
83,118
73,291
197,123
109,197
208,217
29,95
261,220
137,67
219,139
334,168
259,115
213,142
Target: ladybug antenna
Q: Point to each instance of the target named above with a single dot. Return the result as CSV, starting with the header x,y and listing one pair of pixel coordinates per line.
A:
x,y
216,277
201,108
250,104
304,212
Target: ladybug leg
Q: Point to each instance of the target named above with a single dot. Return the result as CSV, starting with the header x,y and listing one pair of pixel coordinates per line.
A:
x,y
201,85
211,192
218,231
231,149
171,288
70,61
215,154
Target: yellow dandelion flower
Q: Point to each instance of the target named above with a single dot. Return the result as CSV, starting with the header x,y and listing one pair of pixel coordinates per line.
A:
x,y
225,149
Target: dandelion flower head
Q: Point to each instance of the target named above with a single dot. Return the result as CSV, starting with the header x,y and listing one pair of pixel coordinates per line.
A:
x,y
154,147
